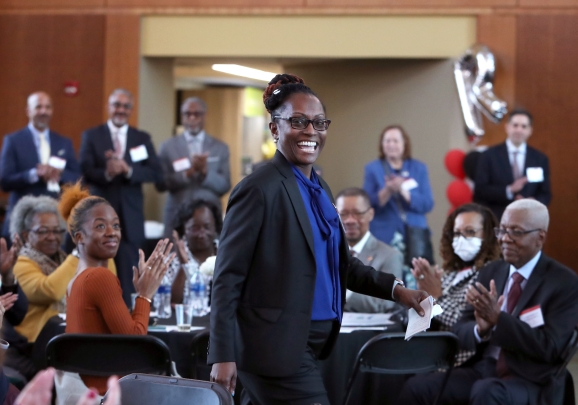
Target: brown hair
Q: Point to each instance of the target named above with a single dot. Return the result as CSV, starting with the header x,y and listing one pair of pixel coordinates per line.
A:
x,y
75,202
490,249
406,142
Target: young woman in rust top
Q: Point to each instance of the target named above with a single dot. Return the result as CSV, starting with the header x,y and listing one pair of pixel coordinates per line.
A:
x,y
95,303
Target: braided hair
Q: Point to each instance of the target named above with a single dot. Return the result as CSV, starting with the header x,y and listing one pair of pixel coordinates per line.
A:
x,y
279,90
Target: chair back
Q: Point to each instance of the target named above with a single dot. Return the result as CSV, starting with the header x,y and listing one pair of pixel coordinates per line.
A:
x,y
567,354
105,355
390,353
199,347
139,389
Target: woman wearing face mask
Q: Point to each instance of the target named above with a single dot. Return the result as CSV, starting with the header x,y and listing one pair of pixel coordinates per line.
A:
x,y
468,243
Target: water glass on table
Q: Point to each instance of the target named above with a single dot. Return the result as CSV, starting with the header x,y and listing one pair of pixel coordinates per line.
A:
x,y
184,315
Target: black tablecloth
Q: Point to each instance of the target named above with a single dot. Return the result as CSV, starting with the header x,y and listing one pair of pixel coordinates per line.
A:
x,y
335,370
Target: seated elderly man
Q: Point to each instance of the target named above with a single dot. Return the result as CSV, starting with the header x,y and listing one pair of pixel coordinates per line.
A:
x,y
355,210
520,316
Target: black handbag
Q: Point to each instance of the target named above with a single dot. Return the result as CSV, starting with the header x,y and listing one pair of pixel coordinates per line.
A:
x,y
417,240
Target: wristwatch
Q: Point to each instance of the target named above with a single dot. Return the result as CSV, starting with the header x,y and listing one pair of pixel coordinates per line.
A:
x,y
395,283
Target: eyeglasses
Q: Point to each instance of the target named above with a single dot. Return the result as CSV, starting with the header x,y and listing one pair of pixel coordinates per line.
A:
x,y
44,232
319,124
514,234
466,233
355,214
126,106
195,114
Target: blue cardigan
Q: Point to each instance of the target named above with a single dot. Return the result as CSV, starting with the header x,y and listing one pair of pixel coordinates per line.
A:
x,y
387,219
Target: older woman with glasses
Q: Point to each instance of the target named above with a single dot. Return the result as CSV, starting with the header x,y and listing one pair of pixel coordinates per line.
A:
x,y
467,244
42,269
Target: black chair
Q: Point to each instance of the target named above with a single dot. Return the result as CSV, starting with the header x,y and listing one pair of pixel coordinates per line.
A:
x,y
199,347
390,353
138,389
105,355
567,354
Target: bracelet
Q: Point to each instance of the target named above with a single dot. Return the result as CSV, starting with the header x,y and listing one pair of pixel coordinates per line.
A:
x,y
145,298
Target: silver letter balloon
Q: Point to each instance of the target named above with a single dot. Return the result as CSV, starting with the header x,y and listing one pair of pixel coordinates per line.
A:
x,y
474,73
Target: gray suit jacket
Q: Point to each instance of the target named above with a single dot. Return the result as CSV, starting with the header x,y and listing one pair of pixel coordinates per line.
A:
x,y
381,257
182,189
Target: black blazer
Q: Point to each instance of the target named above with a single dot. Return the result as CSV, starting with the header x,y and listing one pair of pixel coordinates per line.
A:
x,y
125,195
264,278
531,353
494,173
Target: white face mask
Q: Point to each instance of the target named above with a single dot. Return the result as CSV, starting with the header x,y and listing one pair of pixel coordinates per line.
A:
x,y
467,249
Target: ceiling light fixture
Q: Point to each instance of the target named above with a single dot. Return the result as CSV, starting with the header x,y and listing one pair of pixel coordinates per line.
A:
x,y
244,71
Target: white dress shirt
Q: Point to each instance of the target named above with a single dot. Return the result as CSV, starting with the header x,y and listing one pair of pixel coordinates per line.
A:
x,y
195,142
520,161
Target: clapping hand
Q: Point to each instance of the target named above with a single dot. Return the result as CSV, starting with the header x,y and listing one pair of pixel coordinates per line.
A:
x,y
8,258
487,305
149,275
181,248
199,163
429,278
114,164
393,183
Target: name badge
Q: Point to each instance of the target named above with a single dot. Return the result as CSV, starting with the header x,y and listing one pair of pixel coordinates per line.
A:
x,y
535,174
57,163
181,164
139,153
409,184
532,316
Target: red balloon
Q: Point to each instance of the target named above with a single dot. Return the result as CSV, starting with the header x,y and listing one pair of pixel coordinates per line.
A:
x,y
454,162
459,193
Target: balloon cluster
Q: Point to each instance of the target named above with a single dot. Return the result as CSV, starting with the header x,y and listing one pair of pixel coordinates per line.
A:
x,y
474,74
458,191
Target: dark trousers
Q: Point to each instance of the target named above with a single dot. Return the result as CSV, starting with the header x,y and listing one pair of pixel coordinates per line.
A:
x,y
477,385
126,257
304,387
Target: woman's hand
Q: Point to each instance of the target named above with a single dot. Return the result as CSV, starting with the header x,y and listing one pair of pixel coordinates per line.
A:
x,y
428,278
112,394
393,183
181,248
226,375
8,258
7,300
39,390
149,275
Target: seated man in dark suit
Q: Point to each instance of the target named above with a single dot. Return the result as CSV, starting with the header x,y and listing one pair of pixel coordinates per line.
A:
x,y
355,210
520,317
512,170
36,160
116,159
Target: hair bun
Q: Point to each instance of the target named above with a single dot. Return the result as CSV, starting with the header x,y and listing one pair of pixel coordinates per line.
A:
x,y
71,195
274,85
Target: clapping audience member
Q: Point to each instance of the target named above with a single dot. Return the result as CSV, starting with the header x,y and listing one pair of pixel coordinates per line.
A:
x,y
519,317
36,160
356,213
17,357
197,226
95,303
468,242
43,270
400,193
39,391
116,160
195,164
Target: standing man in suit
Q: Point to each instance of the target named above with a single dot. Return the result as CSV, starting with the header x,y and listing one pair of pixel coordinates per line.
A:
x,y
36,160
116,160
520,316
356,213
195,165
513,170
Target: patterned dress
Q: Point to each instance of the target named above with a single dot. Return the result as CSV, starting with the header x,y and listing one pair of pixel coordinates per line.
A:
x,y
453,301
